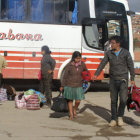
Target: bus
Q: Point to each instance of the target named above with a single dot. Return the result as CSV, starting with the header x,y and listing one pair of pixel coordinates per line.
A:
x,y
63,25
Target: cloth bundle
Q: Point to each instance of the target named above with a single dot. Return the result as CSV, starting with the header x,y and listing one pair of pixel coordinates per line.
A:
x,y
3,94
31,100
20,101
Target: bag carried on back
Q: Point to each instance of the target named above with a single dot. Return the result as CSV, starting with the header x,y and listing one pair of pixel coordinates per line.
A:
x,y
60,104
3,94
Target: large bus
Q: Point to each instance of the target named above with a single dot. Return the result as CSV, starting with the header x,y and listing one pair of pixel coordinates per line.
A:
x,y
63,25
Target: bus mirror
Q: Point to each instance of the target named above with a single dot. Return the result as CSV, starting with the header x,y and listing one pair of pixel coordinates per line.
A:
x,y
130,13
90,21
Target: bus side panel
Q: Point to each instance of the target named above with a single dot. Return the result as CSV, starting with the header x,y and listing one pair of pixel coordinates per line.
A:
x,y
25,41
93,60
15,63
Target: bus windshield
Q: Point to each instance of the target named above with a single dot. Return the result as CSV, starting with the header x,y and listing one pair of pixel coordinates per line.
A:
x,y
110,19
97,35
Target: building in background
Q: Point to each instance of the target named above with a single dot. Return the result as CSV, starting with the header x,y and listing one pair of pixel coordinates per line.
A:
x,y
135,6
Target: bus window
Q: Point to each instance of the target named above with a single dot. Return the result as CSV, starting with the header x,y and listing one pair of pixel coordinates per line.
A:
x,y
37,10
42,11
71,9
49,11
125,34
61,9
94,36
12,10
74,14
3,10
113,28
16,10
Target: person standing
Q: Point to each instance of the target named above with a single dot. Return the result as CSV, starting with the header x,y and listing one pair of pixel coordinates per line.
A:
x,y
121,63
47,68
72,83
3,65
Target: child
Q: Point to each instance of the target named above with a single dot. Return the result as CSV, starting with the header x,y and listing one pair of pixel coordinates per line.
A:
x,y
47,68
72,83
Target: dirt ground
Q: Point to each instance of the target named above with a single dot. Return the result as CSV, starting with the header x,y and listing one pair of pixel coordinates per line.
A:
x,y
91,124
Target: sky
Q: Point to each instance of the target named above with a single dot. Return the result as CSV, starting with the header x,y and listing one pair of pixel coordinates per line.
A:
x,y
134,5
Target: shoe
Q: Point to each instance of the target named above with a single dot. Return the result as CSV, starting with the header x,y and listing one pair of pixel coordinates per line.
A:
x,y
120,121
112,123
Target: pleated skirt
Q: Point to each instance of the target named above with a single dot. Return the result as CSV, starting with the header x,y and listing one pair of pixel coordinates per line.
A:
x,y
71,93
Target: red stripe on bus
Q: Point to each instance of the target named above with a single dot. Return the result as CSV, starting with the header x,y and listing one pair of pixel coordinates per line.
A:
x,y
27,65
53,53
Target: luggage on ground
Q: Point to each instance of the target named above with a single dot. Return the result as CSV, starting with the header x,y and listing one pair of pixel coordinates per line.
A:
x,y
133,101
60,104
33,102
11,92
41,97
20,101
3,94
28,93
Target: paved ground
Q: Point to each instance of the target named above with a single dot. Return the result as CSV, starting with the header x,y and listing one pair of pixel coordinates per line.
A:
x,y
91,124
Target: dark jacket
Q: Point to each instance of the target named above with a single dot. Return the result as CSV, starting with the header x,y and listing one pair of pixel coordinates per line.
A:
x,y
47,63
119,65
72,77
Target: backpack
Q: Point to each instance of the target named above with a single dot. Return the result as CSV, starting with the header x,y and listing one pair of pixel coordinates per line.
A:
x,y
3,94
33,102
20,101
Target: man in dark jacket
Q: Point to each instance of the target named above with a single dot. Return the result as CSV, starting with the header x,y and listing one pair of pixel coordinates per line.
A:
x,y
47,68
121,63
